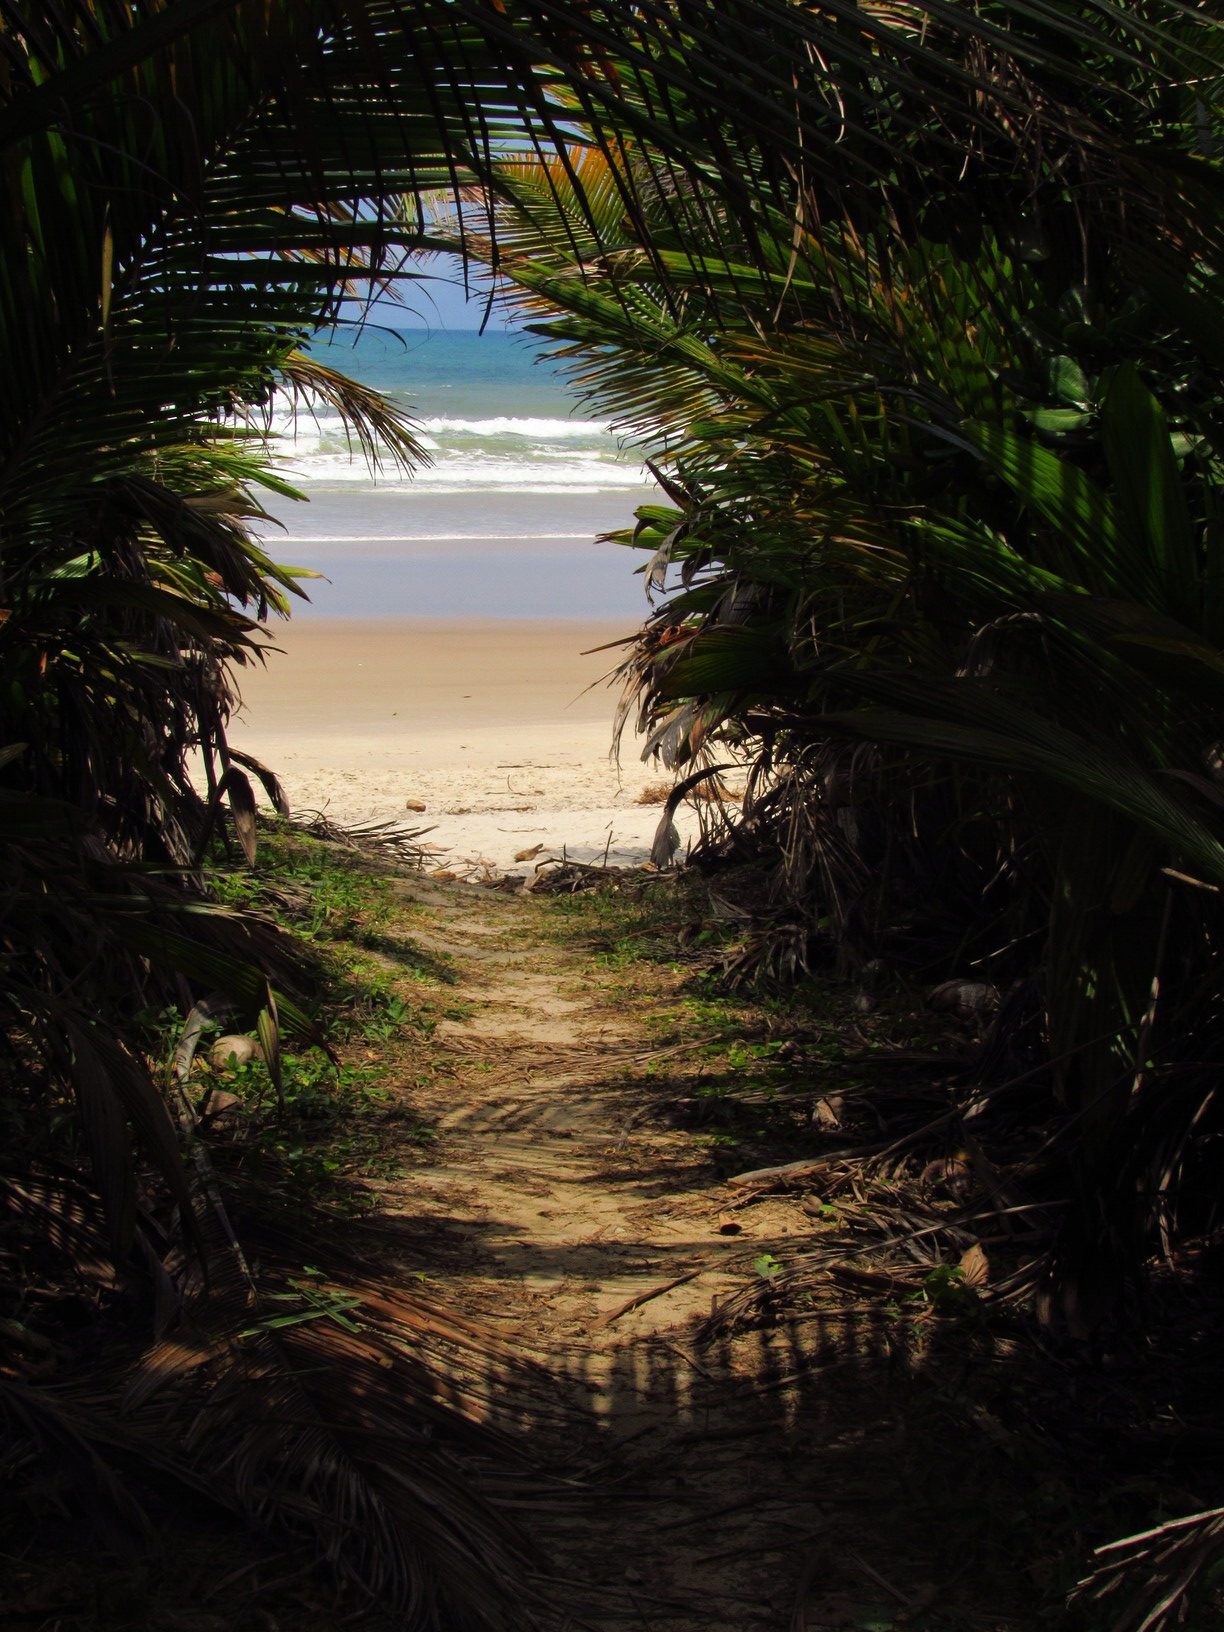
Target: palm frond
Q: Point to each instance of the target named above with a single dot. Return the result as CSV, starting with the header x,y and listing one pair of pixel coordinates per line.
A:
x,y
1147,1580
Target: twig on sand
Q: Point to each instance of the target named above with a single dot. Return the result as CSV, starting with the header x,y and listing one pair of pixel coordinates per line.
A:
x,y
807,1575
372,837
601,1590
674,1348
704,1515
676,1048
754,1386
655,1292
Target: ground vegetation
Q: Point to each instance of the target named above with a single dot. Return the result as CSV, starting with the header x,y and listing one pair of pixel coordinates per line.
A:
x,y
724,1396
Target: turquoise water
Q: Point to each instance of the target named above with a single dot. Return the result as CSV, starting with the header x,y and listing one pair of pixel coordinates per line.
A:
x,y
500,523
454,369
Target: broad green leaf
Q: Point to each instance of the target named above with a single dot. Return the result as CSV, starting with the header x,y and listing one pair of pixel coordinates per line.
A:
x,y
1069,383
1148,481
965,720
1084,517
1057,421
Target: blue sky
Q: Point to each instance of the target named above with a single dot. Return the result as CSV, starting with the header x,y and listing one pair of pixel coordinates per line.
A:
x,y
437,301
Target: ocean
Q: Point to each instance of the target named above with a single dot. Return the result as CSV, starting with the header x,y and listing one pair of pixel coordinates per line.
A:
x,y
501,524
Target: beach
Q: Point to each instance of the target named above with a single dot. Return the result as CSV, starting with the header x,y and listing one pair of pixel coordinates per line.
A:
x,y
501,730
455,647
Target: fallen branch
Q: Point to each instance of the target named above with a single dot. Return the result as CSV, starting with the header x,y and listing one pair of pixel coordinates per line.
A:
x,y
655,1292
870,1571
679,1048
674,1348
777,1175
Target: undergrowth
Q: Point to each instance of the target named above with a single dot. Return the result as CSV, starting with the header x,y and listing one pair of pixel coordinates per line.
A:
x,y
322,1129
1035,1450
766,1063
930,1236
311,1369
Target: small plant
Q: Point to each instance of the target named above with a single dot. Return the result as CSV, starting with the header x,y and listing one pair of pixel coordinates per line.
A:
x,y
311,887
716,1141
394,1016
744,1056
312,1302
946,1290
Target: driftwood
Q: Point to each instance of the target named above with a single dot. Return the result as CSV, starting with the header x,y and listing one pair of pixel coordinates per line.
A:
x,y
575,877
761,1176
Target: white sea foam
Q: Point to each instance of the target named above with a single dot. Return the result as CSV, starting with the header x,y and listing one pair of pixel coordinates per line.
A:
x,y
457,479
304,426
542,471
536,430
499,454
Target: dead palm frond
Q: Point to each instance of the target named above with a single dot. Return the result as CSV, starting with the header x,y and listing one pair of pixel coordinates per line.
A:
x,y
328,1407
1147,1582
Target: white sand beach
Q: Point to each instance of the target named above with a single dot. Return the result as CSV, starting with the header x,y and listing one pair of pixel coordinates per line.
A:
x,y
502,730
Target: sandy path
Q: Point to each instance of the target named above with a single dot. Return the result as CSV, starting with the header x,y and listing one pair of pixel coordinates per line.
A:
x,y
565,1195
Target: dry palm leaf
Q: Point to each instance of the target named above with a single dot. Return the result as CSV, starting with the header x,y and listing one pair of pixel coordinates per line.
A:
x,y
1150,1576
334,1410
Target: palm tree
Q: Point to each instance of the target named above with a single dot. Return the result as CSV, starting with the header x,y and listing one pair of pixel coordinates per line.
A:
x,y
947,487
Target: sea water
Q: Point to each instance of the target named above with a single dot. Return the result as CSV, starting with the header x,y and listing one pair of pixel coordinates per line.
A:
x,y
502,521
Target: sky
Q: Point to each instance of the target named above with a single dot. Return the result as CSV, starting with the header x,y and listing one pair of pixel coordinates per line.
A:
x,y
436,301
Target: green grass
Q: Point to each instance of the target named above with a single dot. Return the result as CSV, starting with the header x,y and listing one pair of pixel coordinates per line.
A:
x,y
626,927
318,890
323,1132
729,1062
742,1068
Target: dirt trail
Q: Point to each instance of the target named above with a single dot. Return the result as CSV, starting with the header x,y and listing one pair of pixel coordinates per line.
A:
x,y
756,1482
580,1205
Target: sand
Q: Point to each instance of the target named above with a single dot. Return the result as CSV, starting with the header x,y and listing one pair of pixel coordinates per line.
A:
x,y
502,730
